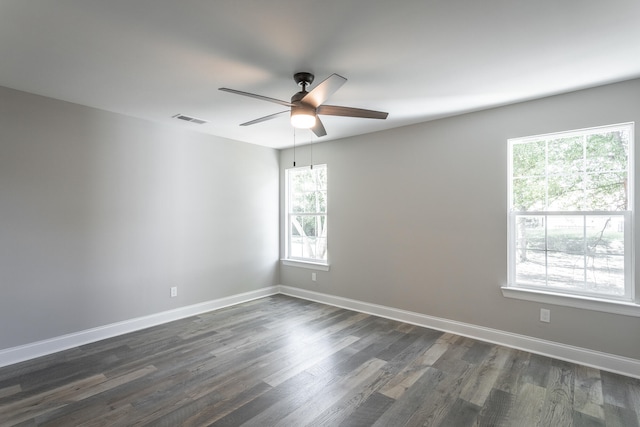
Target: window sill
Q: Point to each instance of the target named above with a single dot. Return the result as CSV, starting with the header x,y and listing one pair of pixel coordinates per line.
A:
x,y
608,306
305,264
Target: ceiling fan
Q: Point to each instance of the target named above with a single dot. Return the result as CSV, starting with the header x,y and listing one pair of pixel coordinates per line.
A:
x,y
305,106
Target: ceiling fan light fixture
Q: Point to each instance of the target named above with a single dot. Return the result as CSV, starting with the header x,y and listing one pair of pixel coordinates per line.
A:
x,y
303,118
303,121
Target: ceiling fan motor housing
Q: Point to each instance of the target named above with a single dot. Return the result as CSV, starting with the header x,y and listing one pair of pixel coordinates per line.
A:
x,y
301,107
303,115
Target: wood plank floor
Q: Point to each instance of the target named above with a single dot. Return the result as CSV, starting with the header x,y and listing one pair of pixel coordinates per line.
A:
x,y
281,361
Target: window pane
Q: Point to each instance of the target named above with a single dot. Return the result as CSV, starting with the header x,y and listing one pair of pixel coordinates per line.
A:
x,y
317,248
606,191
605,274
300,178
530,250
297,203
296,226
565,156
607,151
321,198
321,171
529,194
529,159
309,202
530,233
309,226
310,183
565,271
605,234
605,254
565,234
296,246
533,269
565,257
566,192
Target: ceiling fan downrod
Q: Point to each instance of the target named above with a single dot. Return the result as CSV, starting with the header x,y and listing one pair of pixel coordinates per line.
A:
x,y
303,80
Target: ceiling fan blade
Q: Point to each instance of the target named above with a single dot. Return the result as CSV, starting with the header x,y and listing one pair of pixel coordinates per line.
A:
x,y
335,110
324,90
264,119
318,128
253,95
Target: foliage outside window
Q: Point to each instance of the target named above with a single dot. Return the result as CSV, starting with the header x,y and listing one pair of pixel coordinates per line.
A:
x,y
306,206
570,212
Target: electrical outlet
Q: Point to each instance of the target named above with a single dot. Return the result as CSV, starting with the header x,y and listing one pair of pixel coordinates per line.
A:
x,y
313,277
174,291
545,315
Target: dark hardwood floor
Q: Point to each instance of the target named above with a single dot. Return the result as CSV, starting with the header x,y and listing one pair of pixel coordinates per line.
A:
x,y
289,362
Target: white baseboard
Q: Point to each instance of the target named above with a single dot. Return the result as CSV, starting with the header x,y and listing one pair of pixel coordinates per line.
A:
x,y
605,361
42,348
608,362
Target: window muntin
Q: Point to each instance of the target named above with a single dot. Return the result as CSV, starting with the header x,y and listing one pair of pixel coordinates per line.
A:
x,y
570,212
306,205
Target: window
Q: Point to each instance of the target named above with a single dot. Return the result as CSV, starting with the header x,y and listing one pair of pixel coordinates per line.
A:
x,y
306,205
571,213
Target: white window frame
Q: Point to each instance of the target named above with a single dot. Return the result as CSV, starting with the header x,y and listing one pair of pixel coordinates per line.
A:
x,y
311,263
626,304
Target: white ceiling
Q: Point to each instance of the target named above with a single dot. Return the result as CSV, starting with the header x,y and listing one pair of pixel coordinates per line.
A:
x,y
417,60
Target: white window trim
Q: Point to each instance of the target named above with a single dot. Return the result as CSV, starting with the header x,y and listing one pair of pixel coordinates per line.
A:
x,y
312,264
624,308
305,264
555,297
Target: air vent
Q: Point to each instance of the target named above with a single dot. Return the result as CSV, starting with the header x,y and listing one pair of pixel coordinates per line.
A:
x,y
189,119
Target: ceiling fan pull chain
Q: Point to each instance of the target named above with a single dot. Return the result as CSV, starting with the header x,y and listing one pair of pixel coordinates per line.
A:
x,y
294,147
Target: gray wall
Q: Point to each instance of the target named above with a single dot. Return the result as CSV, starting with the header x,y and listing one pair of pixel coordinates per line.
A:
x,y
418,218
100,214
